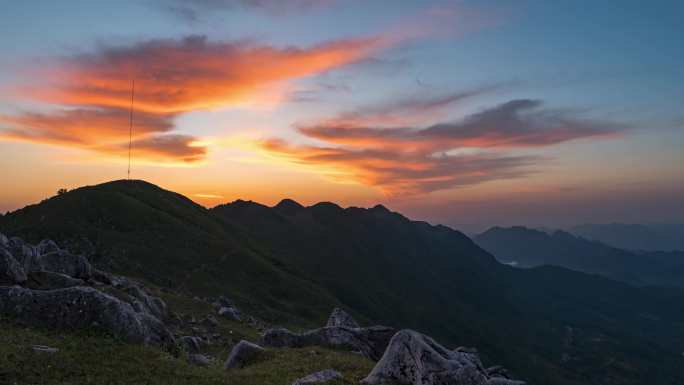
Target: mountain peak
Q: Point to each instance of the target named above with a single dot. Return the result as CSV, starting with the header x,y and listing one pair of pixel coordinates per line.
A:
x,y
288,206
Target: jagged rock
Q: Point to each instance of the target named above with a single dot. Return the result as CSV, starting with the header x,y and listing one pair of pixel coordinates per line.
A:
x,y
24,253
191,344
340,317
101,276
199,359
222,301
44,349
242,354
3,240
64,262
145,303
370,341
48,280
11,272
319,377
47,246
82,308
230,313
416,359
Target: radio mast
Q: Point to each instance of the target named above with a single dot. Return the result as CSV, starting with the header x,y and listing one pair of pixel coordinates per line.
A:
x,y
130,128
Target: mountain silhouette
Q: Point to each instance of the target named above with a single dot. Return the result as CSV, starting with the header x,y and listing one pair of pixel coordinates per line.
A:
x,y
525,247
290,264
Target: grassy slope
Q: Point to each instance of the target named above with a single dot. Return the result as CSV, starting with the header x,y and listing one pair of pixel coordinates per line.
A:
x,y
293,270
143,231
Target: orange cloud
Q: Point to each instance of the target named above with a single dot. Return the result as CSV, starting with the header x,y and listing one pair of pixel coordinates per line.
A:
x,y
409,159
174,76
171,77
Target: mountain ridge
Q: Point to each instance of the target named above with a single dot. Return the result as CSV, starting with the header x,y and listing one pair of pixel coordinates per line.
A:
x,y
291,267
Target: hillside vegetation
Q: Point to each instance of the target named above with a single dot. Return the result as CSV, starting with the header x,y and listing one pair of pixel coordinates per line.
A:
x,y
291,264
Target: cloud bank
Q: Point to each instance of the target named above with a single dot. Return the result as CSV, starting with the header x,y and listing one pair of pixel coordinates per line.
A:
x,y
375,146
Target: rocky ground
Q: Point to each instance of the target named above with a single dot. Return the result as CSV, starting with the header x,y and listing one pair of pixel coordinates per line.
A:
x,y
63,321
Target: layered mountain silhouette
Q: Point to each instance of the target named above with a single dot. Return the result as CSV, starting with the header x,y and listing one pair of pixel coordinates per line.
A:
x,y
660,237
290,264
524,247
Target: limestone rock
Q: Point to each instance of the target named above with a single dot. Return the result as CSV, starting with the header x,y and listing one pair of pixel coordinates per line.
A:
x,y
340,317
191,344
145,303
46,246
242,354
64,262
199,360
370,341
48,280
83,308
416,359
230,313
24,253
11,272
319,377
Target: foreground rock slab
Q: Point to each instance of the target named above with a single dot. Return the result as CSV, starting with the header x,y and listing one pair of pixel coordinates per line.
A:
x,y
416,359
370,342
82,308
319,377
243,354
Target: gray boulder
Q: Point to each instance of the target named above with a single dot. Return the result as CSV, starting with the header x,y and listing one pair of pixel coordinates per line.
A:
x,y
145,303
44,349
416,359
64,262
11,272
230,313
191,344
47,246
340,317
370,342
48,280
3,240
243,354
24,253
319,377
79,308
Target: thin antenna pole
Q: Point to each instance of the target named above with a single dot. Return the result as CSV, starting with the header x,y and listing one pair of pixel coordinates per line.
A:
x,y
130,129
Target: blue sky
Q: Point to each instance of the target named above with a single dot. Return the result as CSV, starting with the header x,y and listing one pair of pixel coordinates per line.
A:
x,y
609,73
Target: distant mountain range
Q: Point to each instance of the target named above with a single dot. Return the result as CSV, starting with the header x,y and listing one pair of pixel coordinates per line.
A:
x,y
290,264
664,237
524,247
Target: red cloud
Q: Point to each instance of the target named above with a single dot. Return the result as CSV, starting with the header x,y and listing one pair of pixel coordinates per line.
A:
x,y
171,77
409,159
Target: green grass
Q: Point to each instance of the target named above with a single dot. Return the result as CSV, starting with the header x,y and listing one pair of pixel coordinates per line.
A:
x,y
100,360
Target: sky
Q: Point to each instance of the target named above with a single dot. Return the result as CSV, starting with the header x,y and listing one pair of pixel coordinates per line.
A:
x,y
465,113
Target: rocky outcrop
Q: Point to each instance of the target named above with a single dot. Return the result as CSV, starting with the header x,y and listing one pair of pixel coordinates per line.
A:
x,y
145,303
62,261
83,308
47,280
370,342
191,344
416,359
319,377
243,354
11,271
226,309
340,317
47,256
